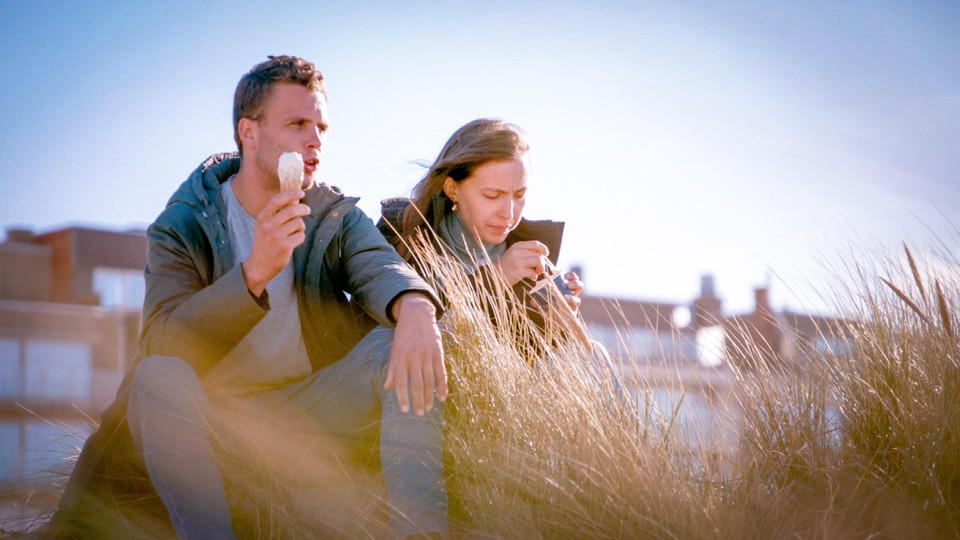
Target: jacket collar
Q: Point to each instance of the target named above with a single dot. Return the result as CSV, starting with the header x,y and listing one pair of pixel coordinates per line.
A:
x,y
202,187
546,231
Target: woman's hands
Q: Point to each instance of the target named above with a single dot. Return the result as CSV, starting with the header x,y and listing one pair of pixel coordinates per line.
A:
x,y
523,260
572,281
527,260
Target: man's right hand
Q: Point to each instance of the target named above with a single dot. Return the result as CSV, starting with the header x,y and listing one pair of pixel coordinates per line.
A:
x,y
280,229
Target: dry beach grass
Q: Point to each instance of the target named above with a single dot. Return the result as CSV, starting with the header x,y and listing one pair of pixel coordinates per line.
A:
x,y
861,444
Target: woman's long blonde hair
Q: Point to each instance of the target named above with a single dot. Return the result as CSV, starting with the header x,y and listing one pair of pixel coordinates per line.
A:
x,y
476,143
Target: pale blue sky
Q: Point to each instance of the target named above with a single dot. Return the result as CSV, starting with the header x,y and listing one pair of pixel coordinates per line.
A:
x,y
745,139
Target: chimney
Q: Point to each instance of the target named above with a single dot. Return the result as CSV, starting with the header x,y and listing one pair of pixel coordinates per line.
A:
x,y
706,286
761,300
707,308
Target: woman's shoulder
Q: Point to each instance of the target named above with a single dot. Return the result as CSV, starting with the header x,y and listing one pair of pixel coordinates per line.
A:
x,y
392,209
391,216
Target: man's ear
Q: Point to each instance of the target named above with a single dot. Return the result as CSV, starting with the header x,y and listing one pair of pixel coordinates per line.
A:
x,y
247,131
450,189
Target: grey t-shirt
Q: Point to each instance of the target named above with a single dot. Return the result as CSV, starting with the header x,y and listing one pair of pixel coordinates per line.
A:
x,y
273,353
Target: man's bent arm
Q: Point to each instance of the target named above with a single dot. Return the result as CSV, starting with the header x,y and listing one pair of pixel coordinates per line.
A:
x,y
184,315
377,276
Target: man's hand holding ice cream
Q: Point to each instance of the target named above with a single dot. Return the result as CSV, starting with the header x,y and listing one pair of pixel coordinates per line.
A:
x,y
280,227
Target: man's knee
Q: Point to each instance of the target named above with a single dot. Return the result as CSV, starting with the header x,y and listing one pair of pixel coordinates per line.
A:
x,y
166,378
375,346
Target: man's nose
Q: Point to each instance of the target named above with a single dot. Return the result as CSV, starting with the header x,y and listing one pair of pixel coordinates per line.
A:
x,y
315,139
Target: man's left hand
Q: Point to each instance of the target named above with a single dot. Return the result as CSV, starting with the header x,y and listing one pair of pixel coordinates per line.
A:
x,y
416,356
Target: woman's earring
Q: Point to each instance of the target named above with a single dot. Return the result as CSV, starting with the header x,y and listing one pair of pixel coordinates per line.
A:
x,y
454,206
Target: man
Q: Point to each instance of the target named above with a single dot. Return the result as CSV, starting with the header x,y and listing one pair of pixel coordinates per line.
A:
x,y
256,304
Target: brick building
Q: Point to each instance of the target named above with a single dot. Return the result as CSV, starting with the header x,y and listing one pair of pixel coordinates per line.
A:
x,y
70,305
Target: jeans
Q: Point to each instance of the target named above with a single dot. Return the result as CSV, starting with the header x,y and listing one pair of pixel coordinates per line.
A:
x,y
170,419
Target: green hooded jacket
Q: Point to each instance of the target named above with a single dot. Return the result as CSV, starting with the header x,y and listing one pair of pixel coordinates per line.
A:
x,y
197,307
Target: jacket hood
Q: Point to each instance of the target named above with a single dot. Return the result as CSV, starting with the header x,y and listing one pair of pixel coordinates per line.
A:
x,y
202,186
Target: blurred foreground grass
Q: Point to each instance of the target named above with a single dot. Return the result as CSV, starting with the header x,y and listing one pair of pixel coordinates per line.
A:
x,y
543,445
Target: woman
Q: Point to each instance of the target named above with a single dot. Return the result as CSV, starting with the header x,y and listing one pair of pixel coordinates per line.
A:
x,y
473,197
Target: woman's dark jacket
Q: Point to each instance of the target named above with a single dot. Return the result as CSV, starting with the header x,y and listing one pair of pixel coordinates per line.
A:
x,y
550,233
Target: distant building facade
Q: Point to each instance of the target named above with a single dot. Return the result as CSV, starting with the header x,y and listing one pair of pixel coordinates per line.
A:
x,y
679,360
70,309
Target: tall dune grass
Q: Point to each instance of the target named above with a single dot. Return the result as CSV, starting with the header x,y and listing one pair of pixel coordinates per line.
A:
x,y
542,444
853,445
34,492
